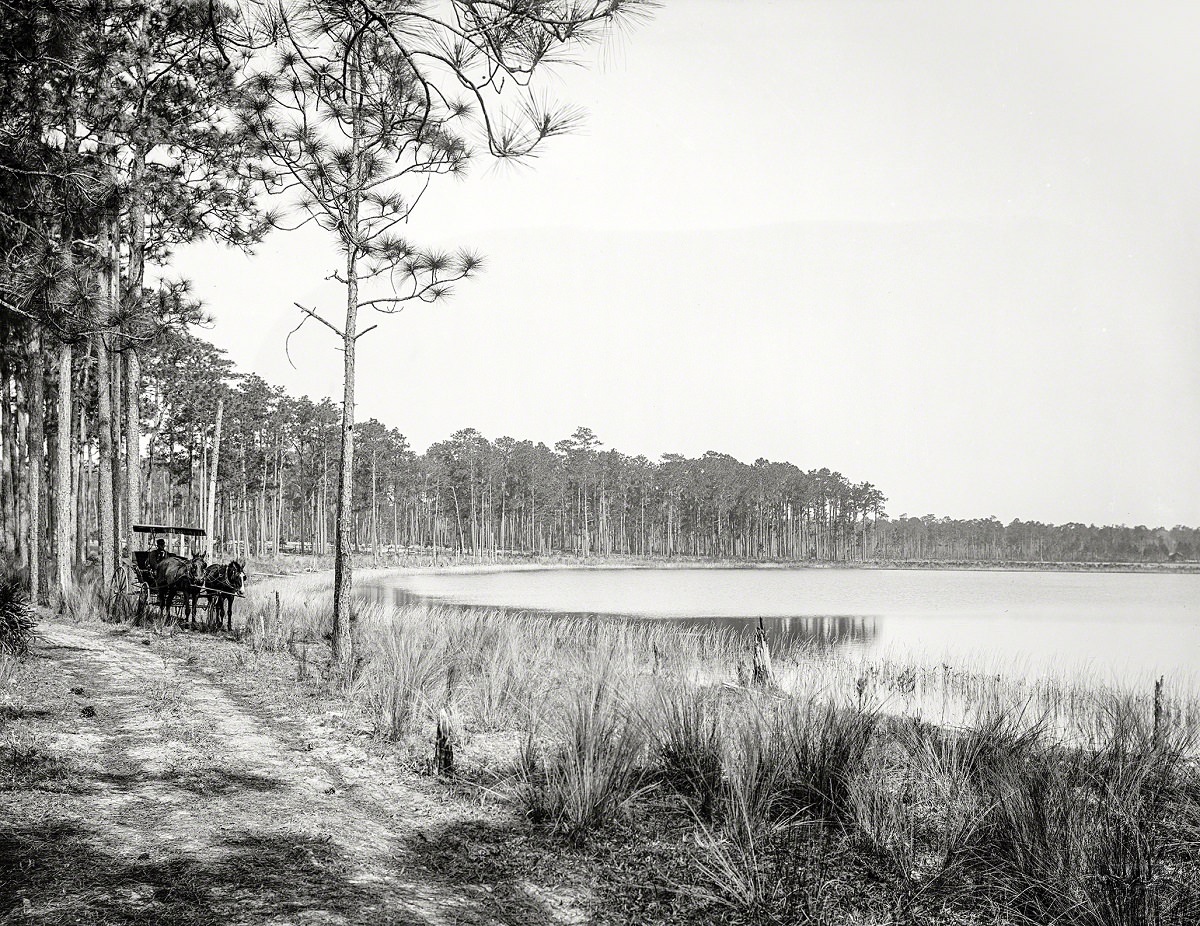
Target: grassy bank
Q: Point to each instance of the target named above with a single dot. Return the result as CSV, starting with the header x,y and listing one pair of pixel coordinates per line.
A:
x,y
849,790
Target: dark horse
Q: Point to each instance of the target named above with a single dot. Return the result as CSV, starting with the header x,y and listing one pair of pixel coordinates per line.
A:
x,y
178,575
223,584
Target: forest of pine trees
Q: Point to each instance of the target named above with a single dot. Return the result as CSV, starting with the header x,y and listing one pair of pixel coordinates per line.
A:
x,y
131,127
470,495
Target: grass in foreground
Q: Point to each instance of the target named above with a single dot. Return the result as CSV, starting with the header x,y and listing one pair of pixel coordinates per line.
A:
x,y
826,798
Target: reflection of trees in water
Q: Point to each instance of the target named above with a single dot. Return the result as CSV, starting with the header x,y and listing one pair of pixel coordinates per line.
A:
x,y
825,631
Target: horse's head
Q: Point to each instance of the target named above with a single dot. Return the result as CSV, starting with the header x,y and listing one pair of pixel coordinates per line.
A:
x,y
197,567
235,575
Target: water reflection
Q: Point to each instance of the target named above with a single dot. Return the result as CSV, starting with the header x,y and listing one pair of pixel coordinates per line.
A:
x,y
822,632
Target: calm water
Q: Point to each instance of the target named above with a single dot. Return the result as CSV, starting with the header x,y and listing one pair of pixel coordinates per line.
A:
x,y
1122,626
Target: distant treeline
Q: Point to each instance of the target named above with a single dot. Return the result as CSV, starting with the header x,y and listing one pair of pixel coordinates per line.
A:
x,y
467,494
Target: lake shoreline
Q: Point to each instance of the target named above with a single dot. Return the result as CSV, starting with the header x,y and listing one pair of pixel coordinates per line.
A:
x,y
600,563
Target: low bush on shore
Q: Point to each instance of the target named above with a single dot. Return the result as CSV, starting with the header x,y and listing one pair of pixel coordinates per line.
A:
x,y
922,793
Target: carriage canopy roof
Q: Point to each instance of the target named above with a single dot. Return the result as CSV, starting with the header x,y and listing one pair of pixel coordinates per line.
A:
x,y
168,529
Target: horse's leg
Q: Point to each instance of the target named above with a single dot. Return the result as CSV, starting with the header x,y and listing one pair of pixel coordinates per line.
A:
x,y
229,611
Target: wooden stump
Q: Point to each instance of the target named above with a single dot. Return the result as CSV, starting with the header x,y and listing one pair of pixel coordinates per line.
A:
x,y
761,672
443,744
1158,713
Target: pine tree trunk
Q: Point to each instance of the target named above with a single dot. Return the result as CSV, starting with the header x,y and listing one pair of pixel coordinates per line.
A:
x,y
105,309
37,460
342,574
79,475
62,491
342,568
210,517
120,513
133,363
10,542
105,479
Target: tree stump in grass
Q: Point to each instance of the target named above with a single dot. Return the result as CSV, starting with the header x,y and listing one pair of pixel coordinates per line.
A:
x,y
1159,730
761,672
443,744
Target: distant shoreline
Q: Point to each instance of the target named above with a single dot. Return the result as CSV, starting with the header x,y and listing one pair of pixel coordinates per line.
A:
x,y
521,564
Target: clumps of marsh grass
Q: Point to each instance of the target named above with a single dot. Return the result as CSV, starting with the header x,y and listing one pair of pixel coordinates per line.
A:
x,y
17,618
1069,833
688,740
1091,824
789,758
750,762
408,677
273,620
885,814
822,746
585,764
762,872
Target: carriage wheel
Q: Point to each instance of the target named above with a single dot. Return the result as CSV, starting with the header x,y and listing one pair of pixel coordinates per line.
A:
x,y
120,594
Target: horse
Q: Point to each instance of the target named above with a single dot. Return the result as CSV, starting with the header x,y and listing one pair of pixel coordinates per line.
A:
x,y
177,574
223,583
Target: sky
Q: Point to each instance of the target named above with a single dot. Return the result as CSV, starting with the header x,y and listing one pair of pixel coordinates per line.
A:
x,y
950,248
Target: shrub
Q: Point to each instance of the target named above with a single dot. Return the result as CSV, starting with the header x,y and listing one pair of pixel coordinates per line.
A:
x,y
17,618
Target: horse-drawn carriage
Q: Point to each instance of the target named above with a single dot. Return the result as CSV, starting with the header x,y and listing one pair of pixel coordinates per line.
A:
x,y
176,583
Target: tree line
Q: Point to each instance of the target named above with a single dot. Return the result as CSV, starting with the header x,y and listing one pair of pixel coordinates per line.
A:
x,y
277,472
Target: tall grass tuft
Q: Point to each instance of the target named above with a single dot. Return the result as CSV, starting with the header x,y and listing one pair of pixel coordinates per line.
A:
x,y
588,767
885,813
687,735
821,748
750,758
408,677
762,872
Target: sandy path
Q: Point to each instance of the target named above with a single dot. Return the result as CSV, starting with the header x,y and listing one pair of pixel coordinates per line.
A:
x,y
180,804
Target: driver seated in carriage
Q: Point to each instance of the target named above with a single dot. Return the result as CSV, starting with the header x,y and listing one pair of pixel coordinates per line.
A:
x,y
158,554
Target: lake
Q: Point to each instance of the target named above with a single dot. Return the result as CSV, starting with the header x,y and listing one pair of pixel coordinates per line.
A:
x,y
1121,627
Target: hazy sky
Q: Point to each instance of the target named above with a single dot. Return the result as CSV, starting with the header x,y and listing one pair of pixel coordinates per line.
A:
x,y
951,248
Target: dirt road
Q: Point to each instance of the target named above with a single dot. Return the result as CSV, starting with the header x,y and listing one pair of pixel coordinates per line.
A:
x,y
144,789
